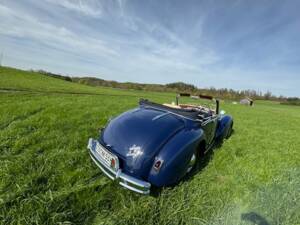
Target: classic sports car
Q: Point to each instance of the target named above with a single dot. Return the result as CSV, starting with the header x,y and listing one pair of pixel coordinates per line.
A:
x,y
156,145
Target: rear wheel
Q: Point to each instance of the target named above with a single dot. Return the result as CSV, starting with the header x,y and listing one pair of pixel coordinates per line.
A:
x,y
192,163
198,153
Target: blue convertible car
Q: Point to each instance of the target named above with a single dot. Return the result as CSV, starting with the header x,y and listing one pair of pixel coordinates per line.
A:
x,y
156,145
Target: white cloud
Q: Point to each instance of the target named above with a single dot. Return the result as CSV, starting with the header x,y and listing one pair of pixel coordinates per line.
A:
x,y
18,24
154,48
147,42
87,7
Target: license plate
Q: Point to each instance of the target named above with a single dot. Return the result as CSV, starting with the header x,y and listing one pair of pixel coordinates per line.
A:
x,y
108,158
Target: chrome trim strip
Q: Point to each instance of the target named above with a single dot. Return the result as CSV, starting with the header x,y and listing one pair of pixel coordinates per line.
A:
x,y
125,180
135,181
160,116
103,170
209,119
134,189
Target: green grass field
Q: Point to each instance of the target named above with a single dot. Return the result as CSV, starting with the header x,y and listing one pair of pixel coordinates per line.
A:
x,y
47,177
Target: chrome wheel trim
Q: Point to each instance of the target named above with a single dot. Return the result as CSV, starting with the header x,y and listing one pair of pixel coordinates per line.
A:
x,y
191,163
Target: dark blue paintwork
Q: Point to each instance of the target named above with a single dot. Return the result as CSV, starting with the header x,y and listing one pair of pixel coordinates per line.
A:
x,y
176,155
160,135
140,127
224,124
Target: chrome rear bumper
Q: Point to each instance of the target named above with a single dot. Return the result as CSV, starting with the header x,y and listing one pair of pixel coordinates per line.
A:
x,y
125,180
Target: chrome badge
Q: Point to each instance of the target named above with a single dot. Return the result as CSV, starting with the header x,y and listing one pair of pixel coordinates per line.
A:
x,y
134,151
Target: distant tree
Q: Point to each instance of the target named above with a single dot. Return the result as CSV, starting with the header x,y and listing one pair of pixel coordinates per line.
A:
x,y
173,87
268,95
66,78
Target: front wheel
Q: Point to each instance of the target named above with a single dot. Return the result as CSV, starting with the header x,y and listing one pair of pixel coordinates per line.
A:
x,y
229,132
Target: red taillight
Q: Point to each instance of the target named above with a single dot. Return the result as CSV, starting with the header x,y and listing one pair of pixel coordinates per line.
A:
x,y
113,163
157,165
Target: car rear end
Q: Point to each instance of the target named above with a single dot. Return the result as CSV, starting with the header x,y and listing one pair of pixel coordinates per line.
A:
x,y
109,163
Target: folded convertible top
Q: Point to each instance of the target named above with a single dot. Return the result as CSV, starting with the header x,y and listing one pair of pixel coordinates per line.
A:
x,y
189,113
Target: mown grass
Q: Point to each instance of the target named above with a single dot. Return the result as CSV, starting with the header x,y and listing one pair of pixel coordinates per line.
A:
x,y
18,80
46,176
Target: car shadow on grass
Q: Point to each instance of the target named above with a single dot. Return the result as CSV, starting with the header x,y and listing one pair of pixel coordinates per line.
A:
x,y
254,218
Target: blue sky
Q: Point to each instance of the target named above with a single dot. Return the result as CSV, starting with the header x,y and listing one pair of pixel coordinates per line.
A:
x,y
226,44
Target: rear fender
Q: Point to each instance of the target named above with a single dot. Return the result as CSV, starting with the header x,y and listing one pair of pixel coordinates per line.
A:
x,y
175,156
223,126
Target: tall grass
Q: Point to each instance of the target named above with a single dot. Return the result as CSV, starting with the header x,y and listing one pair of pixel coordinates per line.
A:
x,y
47,177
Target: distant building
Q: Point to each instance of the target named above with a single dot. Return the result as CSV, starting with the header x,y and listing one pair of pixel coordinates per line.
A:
x,y
247,101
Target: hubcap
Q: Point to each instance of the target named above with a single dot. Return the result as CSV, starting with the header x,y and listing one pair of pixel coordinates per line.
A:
x,y
191,163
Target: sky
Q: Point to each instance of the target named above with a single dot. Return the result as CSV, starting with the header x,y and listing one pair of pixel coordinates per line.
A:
x,y
225,44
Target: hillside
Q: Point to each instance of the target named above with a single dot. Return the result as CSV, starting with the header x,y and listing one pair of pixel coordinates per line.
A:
x,y
223,93
18,80
14,79
47,177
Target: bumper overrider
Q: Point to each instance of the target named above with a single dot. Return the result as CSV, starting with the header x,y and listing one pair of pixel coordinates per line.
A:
x,y
125,180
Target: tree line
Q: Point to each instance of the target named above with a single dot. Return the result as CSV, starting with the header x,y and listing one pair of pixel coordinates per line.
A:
x,y
223,93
